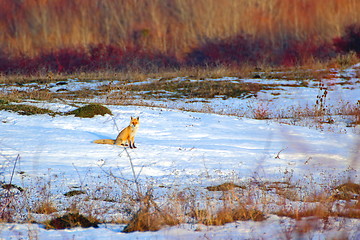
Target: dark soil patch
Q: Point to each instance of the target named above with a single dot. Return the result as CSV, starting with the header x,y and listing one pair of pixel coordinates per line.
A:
x,y
12,186
224,187
71,220
74,193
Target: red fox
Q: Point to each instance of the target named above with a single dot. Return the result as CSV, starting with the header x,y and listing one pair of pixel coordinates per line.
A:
x,y
126,136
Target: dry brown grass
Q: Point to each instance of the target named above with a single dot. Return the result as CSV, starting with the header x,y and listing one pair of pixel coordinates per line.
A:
x,y
45,207
318,211
150,217
228,215
347,191
355,111
261,111
225,187
323,204
145,220
15,95
188,88
135,75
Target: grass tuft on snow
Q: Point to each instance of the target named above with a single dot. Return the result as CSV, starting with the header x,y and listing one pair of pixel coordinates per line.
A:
x,y
89,111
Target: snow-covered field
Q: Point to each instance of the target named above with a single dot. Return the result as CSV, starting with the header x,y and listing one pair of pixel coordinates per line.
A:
x,y
176,150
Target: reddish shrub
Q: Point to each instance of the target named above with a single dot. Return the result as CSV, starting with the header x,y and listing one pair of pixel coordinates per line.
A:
x,y
234,51
97,57
105,56
64,60
299,52
113,57
136,58
6,64
245,49
350,41
16,65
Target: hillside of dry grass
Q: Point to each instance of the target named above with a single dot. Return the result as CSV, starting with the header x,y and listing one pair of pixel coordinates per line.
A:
x,y
169,26
40,36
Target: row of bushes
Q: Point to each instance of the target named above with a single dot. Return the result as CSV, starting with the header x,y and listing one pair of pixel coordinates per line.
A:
x,y
97,57
248,50
234,51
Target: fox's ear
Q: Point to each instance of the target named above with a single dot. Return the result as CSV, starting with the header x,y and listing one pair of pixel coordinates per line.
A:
x,y
137,118
131,118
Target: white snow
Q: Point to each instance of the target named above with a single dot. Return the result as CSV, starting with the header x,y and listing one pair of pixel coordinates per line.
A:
x,y
176,148
170,140
274,228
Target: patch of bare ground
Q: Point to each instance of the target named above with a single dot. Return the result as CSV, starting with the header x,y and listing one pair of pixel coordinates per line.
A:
x,y
71,220
188,89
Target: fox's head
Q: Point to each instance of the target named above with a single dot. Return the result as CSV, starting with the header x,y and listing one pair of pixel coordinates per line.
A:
x,y
134,122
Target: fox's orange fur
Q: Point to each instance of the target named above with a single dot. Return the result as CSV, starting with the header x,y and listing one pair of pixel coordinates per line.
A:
x,y
126,136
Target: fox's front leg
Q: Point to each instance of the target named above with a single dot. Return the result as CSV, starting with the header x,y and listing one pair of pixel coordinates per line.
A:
x,y
132,143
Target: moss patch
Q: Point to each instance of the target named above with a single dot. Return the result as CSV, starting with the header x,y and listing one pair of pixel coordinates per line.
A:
x,y
3,101
89,111
74,193
24,109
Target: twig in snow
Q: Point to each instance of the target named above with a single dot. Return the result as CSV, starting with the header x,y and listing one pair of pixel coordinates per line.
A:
x,y
278,154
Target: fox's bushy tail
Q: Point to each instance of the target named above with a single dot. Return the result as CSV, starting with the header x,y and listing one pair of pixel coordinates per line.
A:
x,y
104,141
